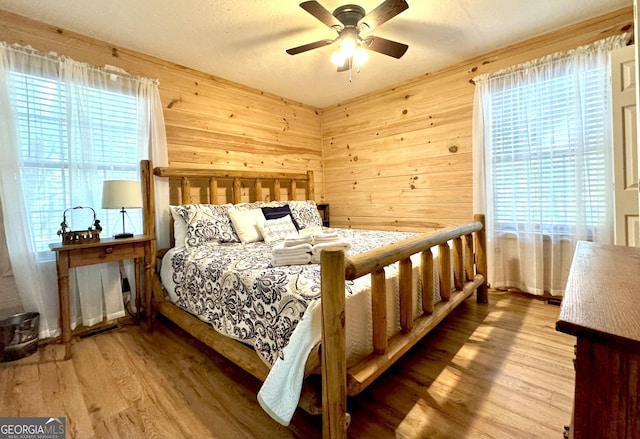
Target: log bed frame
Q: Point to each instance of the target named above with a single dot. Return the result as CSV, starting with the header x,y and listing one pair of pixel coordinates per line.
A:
x,y
469,270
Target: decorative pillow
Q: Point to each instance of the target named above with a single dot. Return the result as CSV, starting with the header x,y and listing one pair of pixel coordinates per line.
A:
x,y
277,229
259,204
245,223
179,228
305,213
274,203
279,212
206,224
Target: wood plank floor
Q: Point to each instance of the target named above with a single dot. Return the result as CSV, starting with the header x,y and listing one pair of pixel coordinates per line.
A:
x,y
488,371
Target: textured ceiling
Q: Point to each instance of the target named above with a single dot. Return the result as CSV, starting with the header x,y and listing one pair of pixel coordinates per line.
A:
x,y
245,40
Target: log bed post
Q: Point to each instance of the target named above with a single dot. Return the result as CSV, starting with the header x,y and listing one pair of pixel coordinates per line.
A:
x,y
149,228
468,257
335,418
405,279
481,259
258,189
310,191
379,310
428,287
444,257
213,191
276,190
237,191
458,264
292,189
185,185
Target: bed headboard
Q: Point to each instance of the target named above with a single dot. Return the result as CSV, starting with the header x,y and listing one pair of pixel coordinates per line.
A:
x,y
215,186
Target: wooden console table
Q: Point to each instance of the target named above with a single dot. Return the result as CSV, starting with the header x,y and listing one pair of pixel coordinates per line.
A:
x,y
68,256
601,307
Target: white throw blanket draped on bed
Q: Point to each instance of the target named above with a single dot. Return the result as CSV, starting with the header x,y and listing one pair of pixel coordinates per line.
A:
x,y
280,393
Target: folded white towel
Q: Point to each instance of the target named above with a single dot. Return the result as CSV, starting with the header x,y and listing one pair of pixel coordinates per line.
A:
x,y
313,230
317,248
325,237
300,249
303,259
291,241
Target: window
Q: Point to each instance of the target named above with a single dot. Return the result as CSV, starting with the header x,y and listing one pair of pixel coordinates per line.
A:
x,y
44,135
537,138
542,163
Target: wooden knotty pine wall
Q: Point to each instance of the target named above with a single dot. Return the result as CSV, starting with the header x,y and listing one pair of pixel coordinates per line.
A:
x,y
401,158
209,121
396,159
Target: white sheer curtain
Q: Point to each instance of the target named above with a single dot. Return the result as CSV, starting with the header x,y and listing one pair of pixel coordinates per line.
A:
x,y
542,162
77,90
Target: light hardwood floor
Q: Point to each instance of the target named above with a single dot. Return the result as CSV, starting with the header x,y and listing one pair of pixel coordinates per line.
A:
x,y
488,371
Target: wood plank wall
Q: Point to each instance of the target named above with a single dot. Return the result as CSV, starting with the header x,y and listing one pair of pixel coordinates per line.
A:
x,y
401,158
208,120
395,159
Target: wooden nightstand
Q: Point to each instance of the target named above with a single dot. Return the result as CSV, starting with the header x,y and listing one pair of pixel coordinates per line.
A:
x,y
68,256
323,210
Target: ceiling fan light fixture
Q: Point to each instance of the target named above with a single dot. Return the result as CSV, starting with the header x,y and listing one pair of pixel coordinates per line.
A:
x,y
348,21
360,56
348,46
338,58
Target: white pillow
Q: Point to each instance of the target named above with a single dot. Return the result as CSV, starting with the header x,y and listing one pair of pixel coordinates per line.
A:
x,y
245,223
179,228
277,229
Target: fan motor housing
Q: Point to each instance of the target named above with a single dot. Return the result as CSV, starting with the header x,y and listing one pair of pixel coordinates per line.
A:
x,y
349,15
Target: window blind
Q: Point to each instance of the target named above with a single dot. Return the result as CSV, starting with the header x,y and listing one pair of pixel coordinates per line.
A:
x,y
537,139
50,144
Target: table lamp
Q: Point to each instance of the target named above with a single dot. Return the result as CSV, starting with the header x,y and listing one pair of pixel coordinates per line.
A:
x,y
121,194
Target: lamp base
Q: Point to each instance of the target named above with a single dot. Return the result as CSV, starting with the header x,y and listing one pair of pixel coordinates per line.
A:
x,y
123,235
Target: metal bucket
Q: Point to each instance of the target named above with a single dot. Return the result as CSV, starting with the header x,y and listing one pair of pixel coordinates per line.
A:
x,y
19,336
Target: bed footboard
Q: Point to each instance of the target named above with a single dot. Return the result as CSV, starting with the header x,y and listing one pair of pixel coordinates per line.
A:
x,y
469,274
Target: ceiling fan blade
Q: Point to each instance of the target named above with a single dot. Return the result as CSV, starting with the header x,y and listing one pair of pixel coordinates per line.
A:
x,y
386,47
381,14
318,11
310,46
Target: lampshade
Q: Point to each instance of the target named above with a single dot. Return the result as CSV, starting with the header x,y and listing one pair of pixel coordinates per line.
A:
x,y
118,194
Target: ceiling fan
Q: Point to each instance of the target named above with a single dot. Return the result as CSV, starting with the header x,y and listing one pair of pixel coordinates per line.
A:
x,y
349,21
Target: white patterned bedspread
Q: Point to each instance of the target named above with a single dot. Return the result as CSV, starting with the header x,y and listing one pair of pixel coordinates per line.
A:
x,y
234,288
